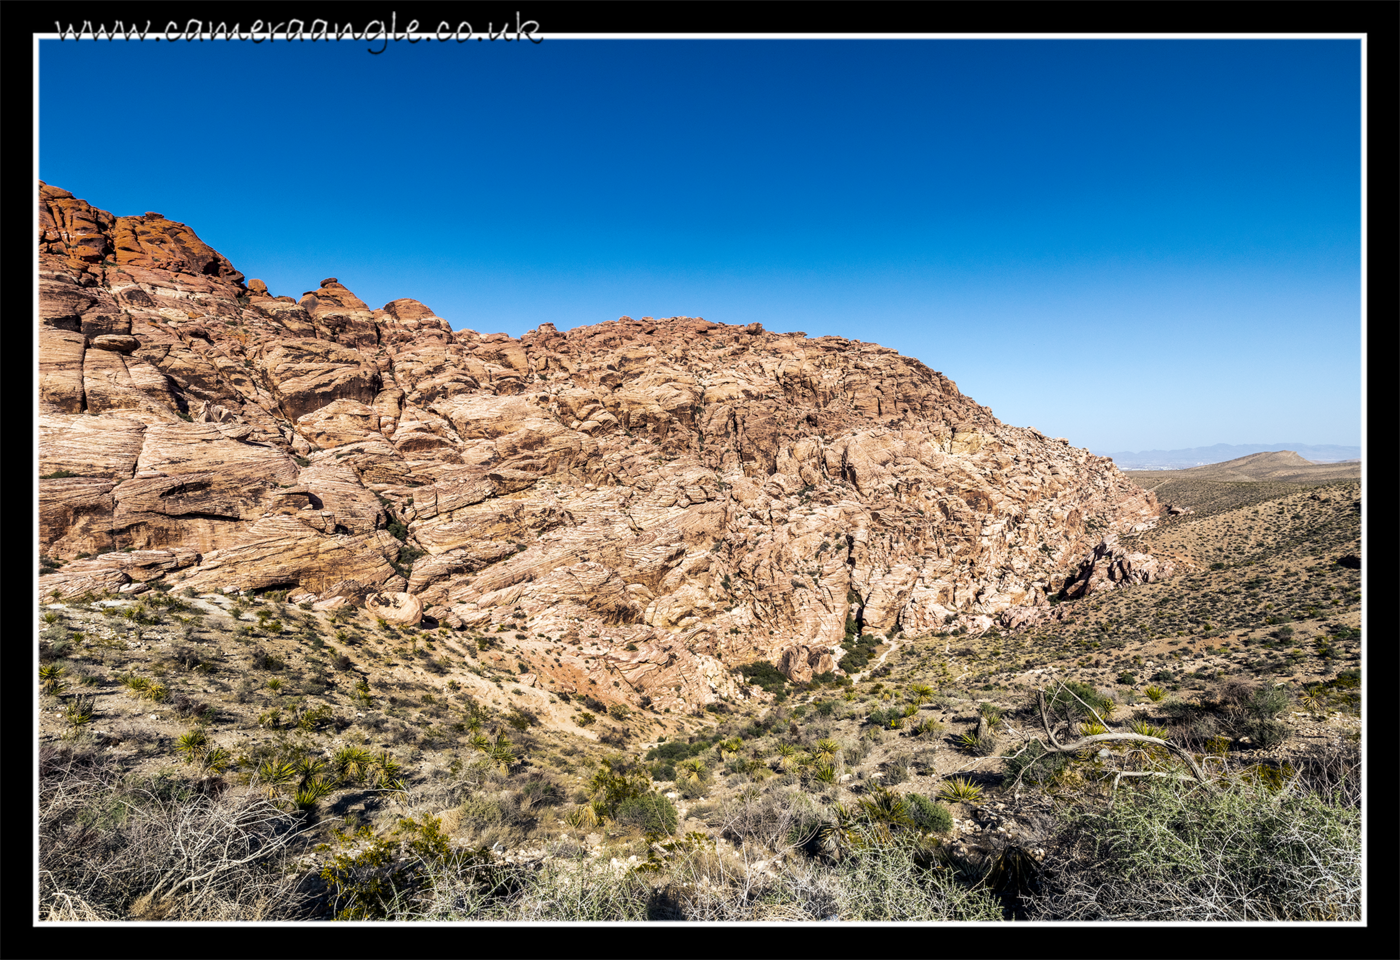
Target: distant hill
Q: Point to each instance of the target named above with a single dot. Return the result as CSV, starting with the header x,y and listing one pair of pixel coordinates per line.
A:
x,y
1278,465
1222,452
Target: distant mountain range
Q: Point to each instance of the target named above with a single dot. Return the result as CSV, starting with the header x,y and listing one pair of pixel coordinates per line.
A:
x,y
1220,452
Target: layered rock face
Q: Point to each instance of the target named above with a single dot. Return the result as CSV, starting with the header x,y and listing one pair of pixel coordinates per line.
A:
x,y
649,502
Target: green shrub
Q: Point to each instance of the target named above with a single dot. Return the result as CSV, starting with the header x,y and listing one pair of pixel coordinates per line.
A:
x,y
1268,702
763,674
1076,699
651,813
928,815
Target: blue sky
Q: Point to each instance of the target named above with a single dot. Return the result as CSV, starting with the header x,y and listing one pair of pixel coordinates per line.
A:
x,y
1135,244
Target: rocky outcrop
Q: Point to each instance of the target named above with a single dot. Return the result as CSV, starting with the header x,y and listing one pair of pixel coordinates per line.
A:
x,y
633,507
1109,565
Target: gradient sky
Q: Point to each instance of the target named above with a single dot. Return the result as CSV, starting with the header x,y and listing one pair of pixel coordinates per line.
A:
x,y
1135,244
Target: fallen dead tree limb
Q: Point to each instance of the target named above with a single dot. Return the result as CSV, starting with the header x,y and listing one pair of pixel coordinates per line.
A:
x,y
1054,746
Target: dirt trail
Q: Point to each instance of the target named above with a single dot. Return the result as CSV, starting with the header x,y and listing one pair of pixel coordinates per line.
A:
x,y
858,677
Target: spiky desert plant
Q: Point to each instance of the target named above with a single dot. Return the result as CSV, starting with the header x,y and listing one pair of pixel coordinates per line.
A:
x,y
309,768
79,712
1154,693
274,684
887,807
585,817
1092,729
388,772
921,693
824,772
51,679
827,749
193,745
275,774
911,710
960,790
502,753
991,712
1144,729
216,760
692,771
136,684
794,761
929,727
309,792
481,742
352,764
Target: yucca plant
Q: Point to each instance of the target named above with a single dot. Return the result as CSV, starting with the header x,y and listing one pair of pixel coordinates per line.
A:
x,y
584,817
50,617
388,772
1144,729
1154,693
921,693
275,774
793,761
193,745
216,760
911,710
693,770
79,712
1092,729
274,684
827,749
137,685
991,712
824,772
502,755
885,806
309,792
310,718
51,679
929,727
310,768
960,790
352,764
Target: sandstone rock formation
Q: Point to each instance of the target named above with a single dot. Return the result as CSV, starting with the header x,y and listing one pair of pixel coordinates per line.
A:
x,y
649,503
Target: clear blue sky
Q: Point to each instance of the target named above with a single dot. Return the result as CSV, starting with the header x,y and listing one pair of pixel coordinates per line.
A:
x,y
1135,244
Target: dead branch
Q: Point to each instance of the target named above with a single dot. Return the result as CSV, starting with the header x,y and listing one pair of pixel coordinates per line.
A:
x,y
1084,742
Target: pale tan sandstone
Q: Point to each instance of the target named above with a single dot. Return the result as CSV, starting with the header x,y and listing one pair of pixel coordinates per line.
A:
x,y
398,608
89,446
707,494
61,370
305,375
